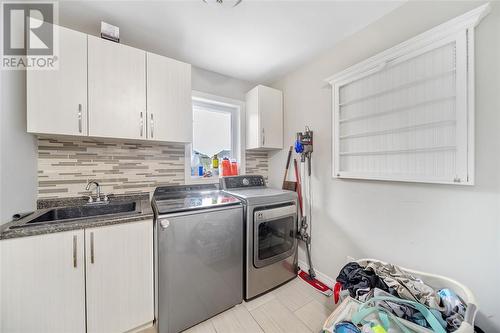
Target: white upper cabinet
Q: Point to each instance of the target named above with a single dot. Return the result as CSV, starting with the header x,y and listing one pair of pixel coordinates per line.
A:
x,y
42,283
264,118
111,79
169,106
57,99
116,90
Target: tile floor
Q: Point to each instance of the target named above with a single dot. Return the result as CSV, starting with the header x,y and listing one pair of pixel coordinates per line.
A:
x,y
294,307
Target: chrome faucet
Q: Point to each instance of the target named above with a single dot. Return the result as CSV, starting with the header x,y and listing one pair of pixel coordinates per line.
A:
x,y
98,191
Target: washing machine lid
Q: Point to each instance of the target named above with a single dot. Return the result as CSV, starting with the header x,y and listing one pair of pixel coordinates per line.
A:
x,y
175,199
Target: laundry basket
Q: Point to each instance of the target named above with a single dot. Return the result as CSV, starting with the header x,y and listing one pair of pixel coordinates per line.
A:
x,y
348,307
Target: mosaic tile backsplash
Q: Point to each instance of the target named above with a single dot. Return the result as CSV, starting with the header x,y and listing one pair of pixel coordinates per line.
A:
x,y
257,163
66,165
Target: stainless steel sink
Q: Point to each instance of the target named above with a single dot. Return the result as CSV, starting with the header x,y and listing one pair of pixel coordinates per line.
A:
x,y
70,214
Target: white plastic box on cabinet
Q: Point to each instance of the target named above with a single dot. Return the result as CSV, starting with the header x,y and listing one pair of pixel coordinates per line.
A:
x,y
407,114
169,104
264,118
57,99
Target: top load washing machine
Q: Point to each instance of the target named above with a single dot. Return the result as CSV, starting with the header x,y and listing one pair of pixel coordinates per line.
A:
x,y
270,232
198,254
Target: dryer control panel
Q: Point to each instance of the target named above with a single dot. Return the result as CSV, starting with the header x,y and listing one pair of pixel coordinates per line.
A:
x,y
243,181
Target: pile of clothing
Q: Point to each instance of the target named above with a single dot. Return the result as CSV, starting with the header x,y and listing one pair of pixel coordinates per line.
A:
x,y
373,279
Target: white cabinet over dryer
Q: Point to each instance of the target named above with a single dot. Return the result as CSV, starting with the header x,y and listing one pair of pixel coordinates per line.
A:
x,y
264,118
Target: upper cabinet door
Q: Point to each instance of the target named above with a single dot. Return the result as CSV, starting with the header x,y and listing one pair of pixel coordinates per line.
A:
x,y
253,131
264,118
57,99
117,90
42,283
169,104
271,117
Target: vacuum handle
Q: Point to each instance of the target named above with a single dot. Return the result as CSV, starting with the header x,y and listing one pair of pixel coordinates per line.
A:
x,y
289,157
299,185
288,162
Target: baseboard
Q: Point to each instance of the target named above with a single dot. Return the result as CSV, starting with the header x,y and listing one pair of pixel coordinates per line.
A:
x,y
145,328
320,276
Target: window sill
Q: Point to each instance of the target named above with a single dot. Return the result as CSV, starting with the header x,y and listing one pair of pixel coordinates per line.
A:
x,y
202,180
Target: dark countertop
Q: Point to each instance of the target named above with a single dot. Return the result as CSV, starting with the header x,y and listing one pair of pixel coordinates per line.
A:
x,y
145,212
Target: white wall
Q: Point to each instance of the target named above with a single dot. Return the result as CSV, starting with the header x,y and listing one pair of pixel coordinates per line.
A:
x,y
220,85
18,170
449,230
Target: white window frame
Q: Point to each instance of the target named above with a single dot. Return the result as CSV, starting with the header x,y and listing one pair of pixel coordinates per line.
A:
x,y
237,133
459,30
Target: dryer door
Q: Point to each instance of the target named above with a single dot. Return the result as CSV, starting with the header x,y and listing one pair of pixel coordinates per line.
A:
x,y
275,228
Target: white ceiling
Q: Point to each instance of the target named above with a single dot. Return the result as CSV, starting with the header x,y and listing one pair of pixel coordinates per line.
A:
x,y
257,41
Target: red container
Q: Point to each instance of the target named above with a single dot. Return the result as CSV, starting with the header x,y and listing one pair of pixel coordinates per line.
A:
x,y
234,168
226,167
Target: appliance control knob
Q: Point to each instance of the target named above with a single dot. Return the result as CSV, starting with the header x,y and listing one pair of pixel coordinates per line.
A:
x,y
245,182
164,223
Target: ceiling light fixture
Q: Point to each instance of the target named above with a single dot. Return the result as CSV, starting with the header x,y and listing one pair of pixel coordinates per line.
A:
x,y
224,3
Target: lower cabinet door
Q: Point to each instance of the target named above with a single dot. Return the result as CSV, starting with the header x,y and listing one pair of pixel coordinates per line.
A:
x,y
119,277
42,284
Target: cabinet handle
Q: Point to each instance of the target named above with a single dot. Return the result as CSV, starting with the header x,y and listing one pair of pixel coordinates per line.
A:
x,y
80,118
152,125
74,252
142,125
263,137
91,247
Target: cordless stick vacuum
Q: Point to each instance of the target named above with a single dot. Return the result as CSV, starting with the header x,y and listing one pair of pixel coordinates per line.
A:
x,y
304,147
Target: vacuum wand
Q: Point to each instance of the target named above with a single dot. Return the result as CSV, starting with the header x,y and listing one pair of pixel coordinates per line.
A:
x,y
302,232
304,147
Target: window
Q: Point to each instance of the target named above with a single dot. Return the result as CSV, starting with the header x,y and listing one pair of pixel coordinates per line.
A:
x,y
216,134
407,113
